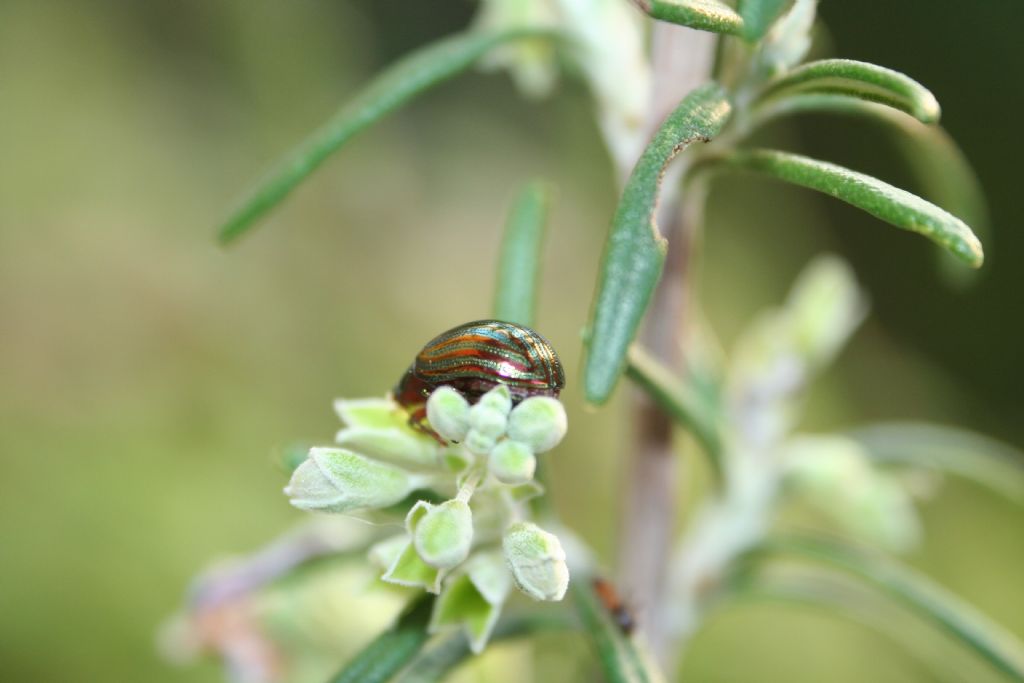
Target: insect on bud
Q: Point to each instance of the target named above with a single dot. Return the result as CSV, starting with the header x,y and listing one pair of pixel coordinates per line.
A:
x,y
539,422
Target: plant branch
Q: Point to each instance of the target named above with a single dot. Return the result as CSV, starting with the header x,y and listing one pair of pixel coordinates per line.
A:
x,y
682,60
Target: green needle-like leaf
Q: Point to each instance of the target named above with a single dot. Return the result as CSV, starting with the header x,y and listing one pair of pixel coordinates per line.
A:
x,y
434,663
943,173
704,15
395,86
947,449
515,296
687,407
759,15
621,661
392,650
940,166
635,251
858,79
891,204
914,591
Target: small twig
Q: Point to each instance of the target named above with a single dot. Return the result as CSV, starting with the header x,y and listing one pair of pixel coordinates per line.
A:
x,y
233,579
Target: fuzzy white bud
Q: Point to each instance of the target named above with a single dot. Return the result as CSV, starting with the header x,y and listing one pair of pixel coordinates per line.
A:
x,y
537,561
539,422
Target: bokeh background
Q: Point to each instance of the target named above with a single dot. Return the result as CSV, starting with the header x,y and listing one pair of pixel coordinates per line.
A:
x,y
149,379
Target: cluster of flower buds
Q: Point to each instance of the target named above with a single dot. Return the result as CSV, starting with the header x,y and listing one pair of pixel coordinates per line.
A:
x,y
467,535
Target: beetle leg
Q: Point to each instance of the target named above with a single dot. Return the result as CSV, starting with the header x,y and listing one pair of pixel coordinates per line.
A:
x,y
418,421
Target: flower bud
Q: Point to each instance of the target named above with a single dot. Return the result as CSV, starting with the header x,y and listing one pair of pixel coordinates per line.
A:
x,y
537,561
478,443
488,421
442,534
338,480
398,445
512,462
539,422
498,399
448,413
824,308
380,429
835,474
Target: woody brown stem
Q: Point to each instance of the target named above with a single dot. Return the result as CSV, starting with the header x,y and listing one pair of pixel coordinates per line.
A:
x,y
682,60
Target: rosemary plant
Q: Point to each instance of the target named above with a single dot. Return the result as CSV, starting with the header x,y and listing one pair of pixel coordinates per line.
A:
x,y
679,88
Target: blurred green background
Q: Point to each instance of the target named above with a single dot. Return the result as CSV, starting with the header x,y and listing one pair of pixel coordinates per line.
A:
x,y
148,378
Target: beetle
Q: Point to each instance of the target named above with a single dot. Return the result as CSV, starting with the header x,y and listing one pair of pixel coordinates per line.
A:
x,y
475,357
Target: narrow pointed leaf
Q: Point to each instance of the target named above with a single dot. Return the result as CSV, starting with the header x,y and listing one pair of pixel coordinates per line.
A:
x,y
433,664
947,449
914,591
944,173
759,15
395,86
687,407
704,15
392,650
515,297
635,251
891,204
620,658
861,80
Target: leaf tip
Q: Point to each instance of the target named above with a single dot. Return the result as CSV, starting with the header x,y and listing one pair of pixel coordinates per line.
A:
x,y
928,109
230,230
975,253
224,237
598,383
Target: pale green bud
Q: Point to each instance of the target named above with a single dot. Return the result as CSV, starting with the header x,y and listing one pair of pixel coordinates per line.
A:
x,y
836,475
488,421
825,306
789,40
512,462
537,561
398,445
539,422
456,459
442,534
379,428
498,399
478,443
448,413
531,63
338,480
